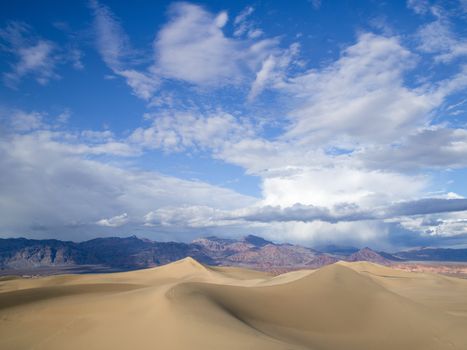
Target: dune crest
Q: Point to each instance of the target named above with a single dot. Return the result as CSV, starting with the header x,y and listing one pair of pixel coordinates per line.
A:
x,y
187,305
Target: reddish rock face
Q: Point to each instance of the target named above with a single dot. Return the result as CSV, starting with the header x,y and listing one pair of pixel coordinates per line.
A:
x,y
366,254
256,252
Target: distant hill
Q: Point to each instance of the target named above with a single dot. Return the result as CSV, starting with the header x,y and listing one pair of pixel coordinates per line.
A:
x,y
433,254
367,254
251,251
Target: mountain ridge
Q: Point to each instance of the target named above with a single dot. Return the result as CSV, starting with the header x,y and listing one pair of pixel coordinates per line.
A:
x,y
129,253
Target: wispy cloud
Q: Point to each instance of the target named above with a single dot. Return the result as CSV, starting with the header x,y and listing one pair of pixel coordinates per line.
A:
x,y
34,56
438,38
115,49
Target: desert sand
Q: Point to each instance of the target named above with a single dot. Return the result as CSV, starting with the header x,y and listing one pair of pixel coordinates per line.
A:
x,y
186,305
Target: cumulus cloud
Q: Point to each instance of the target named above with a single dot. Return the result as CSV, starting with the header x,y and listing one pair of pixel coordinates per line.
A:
x,y
193,47
361,97
357,133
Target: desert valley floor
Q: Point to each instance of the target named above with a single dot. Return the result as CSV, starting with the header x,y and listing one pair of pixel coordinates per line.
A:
x,y
186,305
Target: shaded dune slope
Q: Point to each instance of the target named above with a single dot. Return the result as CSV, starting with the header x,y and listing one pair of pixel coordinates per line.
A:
x,y
186,305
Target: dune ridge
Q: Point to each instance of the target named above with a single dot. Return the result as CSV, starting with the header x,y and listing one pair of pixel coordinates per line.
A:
x,y
188,305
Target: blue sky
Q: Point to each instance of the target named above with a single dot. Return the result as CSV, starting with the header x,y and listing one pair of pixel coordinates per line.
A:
x,y
314,122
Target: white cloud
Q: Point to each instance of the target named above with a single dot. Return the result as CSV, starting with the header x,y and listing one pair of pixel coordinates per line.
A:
x,y
187,216
191,130
330,186
112,42
358,105
262,77
444,225
114,47
346,162
298,216
144,86
35,57
438,38
244,27
23,121
360,97
221,19
79,191
242,16
116,221
273,70
192,47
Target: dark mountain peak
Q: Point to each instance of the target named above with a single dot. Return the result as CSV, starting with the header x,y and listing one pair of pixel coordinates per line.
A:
x,y
256,240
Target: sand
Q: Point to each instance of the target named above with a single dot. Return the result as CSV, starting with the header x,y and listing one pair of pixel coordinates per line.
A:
x,y
185,305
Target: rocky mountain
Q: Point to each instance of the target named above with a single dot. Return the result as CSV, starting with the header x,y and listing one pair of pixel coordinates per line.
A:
x,y
251,251
367,254
118,253
254,251
21,253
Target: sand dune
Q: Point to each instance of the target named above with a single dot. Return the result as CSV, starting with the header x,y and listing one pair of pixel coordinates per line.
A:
x,y
185,305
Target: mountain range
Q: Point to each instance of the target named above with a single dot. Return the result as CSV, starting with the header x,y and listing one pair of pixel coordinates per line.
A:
x,y
131,253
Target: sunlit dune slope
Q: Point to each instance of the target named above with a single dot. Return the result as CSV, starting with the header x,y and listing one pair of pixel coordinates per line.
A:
x,y
186,305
